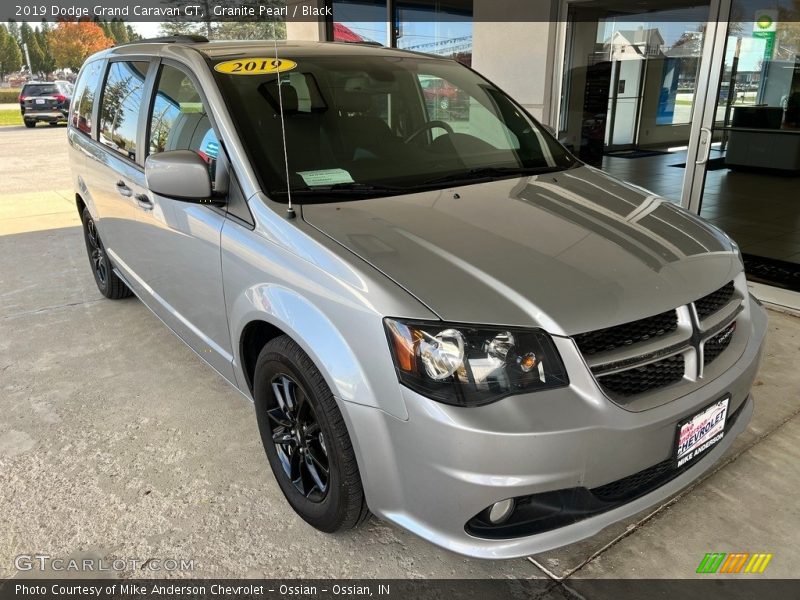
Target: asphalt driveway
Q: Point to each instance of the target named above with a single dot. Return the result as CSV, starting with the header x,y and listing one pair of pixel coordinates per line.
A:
x,y
116,441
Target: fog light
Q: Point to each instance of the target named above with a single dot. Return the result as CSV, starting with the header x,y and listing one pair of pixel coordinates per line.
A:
x,y
500,511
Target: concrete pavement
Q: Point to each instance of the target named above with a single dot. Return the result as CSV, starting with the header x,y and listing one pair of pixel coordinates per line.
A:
x,y
117,441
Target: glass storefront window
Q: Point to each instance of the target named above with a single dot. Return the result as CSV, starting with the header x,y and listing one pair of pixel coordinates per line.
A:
x,y
360,21
426,27
630,87
435,30
750,187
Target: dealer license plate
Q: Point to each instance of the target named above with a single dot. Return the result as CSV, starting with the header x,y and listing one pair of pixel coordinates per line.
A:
x,y
702,431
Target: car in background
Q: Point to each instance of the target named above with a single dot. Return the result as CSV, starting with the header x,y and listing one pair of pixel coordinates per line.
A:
x,y
442,95
45,101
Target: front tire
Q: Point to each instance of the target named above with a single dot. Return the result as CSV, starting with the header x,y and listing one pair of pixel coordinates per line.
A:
x,y
305,439
107,281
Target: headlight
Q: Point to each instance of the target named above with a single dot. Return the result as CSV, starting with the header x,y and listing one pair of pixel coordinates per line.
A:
x,y
467,365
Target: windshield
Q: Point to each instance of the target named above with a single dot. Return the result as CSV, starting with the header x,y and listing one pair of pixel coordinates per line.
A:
x,y
375,125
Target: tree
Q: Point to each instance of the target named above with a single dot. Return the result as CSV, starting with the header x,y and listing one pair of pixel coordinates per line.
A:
x,y
251,30
25,37
132,35
118,31
104,25
10,55
213,29
13,29
25,33
71,43
37,55
179,28
48,64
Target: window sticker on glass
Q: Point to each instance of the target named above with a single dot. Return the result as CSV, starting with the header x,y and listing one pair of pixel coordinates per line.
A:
x,y
255,66
325,177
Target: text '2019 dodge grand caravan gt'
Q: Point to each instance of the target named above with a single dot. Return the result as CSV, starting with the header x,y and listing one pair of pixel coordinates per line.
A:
x,y
455,323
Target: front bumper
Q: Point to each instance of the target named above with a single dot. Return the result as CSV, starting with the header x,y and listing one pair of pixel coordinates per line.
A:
x,y
434,472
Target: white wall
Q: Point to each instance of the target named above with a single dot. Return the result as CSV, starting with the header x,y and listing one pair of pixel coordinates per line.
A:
x,y
311,31
517,56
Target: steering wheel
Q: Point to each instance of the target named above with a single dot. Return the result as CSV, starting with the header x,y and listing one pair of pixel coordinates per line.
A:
x,y
429,125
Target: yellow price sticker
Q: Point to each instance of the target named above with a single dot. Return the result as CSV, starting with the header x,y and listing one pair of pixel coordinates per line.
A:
x,y
255,66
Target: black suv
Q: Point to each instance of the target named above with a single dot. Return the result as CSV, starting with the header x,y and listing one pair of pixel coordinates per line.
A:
x,y
45,101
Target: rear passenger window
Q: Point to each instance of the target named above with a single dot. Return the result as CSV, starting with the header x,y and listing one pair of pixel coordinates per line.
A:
x,y
179,119
83,99
120,106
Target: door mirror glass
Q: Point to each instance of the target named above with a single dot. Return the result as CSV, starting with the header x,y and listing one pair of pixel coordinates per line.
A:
x,y
179,175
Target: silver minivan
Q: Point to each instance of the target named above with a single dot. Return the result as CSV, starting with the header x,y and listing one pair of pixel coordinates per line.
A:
x,y
442,316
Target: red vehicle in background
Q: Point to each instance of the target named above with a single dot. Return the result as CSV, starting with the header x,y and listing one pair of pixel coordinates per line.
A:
x,y
441,94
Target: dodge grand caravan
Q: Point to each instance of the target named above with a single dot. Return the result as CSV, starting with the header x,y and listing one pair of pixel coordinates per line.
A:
x,y
448,321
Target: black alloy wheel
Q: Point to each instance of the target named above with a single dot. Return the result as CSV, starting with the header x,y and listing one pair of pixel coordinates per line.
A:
x,y
305,438
298,439
108,282
97,254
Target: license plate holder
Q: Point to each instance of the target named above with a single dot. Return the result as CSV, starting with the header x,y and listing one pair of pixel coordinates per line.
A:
x,y
700,432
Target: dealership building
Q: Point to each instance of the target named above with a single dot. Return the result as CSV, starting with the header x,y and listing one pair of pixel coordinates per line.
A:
x,y
697,101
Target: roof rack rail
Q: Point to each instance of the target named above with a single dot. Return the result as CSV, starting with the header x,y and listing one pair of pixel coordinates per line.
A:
x,y
170,39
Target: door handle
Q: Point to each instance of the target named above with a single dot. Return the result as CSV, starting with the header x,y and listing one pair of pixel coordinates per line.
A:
x,y
123,189
705,142
144,202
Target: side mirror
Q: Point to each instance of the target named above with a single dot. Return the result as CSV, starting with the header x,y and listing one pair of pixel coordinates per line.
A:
x,y
179,175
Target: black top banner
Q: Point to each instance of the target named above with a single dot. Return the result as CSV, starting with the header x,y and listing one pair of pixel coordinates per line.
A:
x,y
383,11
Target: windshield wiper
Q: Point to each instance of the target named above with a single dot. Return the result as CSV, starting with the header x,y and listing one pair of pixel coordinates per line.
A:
x,y
343,189
491,173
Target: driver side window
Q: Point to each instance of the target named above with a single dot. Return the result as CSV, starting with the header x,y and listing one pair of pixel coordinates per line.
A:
x,y
447,102
179,118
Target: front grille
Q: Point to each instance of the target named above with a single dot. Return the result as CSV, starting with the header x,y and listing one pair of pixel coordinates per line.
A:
x,y
644,378
633,485
708,305
717,344
625,366
611,338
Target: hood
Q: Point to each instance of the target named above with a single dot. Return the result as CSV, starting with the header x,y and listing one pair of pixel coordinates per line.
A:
x,y
569,252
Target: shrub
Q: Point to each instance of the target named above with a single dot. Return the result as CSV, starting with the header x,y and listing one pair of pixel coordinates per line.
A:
x,y
8,95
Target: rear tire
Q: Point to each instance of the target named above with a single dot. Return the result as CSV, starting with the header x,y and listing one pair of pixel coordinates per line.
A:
x,y
305,439
108,283
30,124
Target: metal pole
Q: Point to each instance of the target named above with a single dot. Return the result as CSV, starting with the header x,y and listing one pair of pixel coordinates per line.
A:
x,y
27,58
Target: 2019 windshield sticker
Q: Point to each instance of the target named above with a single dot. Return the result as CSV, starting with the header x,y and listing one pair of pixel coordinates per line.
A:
x,y
255,66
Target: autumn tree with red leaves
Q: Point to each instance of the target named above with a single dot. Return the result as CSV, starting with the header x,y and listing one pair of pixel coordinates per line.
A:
x,y
72,42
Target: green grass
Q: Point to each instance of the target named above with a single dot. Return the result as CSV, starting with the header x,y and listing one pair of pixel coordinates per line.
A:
x,y
10,117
